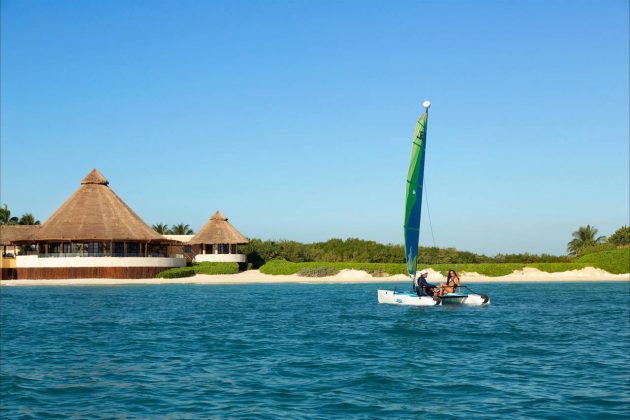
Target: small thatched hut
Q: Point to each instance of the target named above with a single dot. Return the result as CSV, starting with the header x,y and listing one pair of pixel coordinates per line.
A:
x,y
95,234
10,238
10,235
217,241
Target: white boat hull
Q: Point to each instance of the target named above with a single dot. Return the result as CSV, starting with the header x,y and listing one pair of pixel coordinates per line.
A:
x,y
472,299
394,297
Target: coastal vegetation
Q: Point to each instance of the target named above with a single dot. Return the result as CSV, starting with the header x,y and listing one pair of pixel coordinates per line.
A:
x,y
216,268
584,237
283,267
321,271
7,219
178,229
175,273
290,257
621,237
616,261
200,268
357,250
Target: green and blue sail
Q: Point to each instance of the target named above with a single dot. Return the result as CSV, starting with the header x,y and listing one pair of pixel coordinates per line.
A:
x,y
413,206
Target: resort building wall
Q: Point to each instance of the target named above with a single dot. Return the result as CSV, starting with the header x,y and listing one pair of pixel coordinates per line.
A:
x,y
220,252
34,267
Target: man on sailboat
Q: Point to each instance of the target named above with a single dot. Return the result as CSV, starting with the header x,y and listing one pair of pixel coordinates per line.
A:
x,y
424,288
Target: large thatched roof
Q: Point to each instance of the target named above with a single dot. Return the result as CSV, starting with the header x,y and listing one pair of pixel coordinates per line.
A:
x,y
95,212
11,234
218,231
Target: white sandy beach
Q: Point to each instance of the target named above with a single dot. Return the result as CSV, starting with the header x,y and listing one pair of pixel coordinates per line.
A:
x,y
345,276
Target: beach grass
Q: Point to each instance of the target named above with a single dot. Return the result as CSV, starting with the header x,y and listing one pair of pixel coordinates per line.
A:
x,y
317,272
615,261
276,267
607,262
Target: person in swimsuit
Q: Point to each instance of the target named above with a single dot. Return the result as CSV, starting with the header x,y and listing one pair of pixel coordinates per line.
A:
x,y
451,285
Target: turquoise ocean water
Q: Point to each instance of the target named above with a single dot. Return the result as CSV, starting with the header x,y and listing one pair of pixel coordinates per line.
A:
x,y
327,351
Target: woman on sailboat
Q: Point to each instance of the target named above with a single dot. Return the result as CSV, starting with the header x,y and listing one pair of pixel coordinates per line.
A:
x,y
452,283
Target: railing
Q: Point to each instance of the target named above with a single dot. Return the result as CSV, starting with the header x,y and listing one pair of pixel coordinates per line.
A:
x,y
95,254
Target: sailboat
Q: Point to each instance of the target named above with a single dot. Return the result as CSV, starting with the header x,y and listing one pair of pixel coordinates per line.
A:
x,y
413,207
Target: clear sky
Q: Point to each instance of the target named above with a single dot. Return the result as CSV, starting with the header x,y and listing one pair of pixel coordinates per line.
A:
x,y
294,118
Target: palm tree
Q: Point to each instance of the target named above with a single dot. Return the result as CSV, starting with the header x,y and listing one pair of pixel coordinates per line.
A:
x,y
161,228
5,216
181,229
584,237
28,219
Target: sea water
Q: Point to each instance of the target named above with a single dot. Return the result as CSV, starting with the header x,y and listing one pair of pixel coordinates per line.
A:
x,y
296,350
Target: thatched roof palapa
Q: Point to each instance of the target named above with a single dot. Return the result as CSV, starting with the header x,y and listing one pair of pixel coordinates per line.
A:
x,y
218,231
12,234
95,212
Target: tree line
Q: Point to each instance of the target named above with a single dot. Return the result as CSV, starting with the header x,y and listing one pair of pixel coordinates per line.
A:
x,y
586,240
178,229
25,219
359,250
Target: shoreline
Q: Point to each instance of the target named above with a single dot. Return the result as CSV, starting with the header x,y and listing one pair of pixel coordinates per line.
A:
x,y
527,275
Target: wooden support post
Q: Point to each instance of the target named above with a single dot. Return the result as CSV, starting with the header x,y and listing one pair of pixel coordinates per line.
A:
x,y
124,249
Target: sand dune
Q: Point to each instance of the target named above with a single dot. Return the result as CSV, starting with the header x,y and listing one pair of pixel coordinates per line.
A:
x,y
345,276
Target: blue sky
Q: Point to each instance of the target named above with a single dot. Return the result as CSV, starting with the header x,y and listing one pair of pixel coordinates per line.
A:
x,y
295,118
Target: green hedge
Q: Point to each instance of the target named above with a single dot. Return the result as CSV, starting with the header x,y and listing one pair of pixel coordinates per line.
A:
x,y
216,268
616,261
201,268
175,273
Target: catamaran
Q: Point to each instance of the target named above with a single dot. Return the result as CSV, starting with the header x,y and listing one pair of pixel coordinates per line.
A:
x,y
413,207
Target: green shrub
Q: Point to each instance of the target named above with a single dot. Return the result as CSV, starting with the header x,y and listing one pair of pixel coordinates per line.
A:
x,y
175,273
597,248
616,261
216,268
621,237
317,272
557,267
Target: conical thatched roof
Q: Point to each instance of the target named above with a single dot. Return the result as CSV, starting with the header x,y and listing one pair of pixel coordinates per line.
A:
x,y
218,231
95,212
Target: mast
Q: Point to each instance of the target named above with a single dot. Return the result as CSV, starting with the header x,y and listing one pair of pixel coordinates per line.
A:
x,y
415,181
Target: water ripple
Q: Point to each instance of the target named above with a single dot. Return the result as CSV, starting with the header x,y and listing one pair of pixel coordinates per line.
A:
x,y
318,351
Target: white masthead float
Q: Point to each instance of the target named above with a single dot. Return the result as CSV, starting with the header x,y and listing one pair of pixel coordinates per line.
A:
x,y
413,206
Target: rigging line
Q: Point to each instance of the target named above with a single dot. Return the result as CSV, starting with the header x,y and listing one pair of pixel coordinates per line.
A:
x,y
426,199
